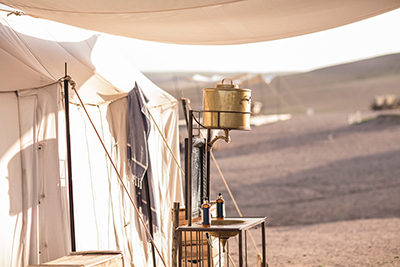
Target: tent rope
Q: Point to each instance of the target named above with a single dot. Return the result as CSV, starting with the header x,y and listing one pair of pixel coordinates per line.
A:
x,y
73,84
17,13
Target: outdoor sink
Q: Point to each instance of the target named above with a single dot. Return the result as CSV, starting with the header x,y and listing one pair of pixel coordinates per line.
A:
x,y
226,222
224,235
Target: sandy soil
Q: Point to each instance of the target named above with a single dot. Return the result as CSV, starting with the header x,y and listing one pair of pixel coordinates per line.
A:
x,y
330,190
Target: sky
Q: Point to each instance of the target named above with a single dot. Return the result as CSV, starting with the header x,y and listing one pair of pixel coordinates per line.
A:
x,y
372,37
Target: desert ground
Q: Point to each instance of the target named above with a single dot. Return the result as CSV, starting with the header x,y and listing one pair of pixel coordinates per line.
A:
x,y
330,190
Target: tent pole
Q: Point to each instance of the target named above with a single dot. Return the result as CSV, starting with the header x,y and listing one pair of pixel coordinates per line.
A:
x,y
68,137
149,213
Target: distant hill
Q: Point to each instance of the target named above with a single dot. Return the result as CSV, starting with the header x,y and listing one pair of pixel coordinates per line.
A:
x,y
346,87
358,70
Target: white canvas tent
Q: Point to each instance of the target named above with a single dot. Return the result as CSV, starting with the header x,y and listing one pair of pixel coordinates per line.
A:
x,y
210,22
34,226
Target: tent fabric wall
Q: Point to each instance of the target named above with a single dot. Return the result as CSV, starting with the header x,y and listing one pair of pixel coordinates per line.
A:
x,y
32,150
30,178
100,224
211,22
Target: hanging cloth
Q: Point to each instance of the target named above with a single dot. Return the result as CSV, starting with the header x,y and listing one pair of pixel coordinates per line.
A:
x,y
138,153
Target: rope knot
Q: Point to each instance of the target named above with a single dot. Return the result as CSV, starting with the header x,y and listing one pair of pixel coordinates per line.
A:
x,y
16,13
70,81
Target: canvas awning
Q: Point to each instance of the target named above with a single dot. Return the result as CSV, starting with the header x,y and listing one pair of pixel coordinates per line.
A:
x,y
209,22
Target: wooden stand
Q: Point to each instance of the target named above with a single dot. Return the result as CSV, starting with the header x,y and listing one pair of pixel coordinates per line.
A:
x,y
197,230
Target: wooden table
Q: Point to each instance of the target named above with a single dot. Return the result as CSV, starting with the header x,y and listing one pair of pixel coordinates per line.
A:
x,y
219,230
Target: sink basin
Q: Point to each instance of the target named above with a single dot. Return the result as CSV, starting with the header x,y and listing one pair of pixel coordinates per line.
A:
x,y
224,235
226,222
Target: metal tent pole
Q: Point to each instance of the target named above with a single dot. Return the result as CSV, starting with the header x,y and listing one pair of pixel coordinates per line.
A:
x,y
189,170
68,137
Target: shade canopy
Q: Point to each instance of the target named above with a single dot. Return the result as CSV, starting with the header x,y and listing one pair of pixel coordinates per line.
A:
x,y
208,22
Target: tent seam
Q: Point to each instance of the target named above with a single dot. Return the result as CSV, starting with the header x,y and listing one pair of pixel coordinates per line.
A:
x,y
29,49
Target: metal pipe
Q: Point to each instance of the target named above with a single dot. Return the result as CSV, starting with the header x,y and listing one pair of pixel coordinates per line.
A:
x,y
189,172
69,165
225,137
208,164
186,176
264,252
240,249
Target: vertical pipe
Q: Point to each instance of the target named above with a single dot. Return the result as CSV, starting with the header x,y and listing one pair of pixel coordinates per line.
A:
x,y
189,172
240,249
186,176
264,253
208,164
69,166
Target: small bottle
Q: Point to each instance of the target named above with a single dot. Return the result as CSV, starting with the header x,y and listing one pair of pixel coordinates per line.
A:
x,y
220,207
206,214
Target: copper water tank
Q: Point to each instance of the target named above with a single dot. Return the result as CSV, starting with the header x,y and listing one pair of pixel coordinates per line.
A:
x,y
227,107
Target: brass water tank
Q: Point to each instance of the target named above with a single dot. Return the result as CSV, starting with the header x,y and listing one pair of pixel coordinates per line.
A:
x,y
227,107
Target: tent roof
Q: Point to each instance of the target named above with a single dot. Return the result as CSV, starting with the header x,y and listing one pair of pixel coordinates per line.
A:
x,y
212,22
34,53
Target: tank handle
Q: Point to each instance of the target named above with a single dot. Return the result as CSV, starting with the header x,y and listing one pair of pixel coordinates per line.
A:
x,y
245,98
226,85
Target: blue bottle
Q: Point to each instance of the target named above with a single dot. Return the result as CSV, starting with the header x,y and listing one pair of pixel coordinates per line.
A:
x,y
206,214
220,207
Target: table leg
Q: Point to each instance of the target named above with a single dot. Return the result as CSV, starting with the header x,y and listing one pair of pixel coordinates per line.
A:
x,y
240,250
264,254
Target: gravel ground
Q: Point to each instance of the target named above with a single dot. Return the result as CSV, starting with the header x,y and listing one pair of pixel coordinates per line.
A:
x,y
330,190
